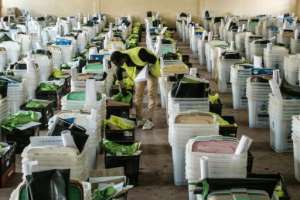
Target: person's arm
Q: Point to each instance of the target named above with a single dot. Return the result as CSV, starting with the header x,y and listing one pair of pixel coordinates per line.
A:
x,y
119,74
147,57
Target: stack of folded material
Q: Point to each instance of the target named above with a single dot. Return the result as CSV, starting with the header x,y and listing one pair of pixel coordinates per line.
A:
x,y
77,101
172,67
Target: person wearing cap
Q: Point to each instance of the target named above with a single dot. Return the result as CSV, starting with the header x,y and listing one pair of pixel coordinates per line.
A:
x,y
133,61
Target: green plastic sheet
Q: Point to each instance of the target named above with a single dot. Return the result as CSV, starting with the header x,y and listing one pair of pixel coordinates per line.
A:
x,y
120,150
18,119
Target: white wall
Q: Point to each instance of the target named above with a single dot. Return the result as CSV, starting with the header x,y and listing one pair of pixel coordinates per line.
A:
x,y
249,7
54,7
167,8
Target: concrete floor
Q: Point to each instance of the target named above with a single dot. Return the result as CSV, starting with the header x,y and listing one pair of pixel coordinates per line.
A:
x,y
156,177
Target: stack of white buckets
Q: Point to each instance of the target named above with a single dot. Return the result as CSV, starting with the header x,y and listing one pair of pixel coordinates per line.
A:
x,y
201,48
281,111
291,69
238,78
179,137
179,134
296,142
258,94
224,68
295,43
274,56
257,48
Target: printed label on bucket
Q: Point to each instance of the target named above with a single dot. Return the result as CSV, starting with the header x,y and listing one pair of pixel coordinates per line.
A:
x,y
244,98
262,115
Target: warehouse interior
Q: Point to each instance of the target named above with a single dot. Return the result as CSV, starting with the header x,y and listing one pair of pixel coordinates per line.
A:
x,y
137,99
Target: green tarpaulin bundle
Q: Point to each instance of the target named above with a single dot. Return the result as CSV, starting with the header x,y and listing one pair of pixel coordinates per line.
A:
x,y
121,98
33,104
214,99
104,194
80,96
119,149
19,119
58,74
221,121
48,87
119,123
4,147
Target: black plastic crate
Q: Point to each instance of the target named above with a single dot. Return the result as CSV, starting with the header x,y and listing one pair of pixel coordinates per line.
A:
x,y
121,111
3,88
131,165
216,108
7,164
66,88
231,130
54,96
120,136
115,90
47,112
20,137
265,182
277,177
250,162
186,59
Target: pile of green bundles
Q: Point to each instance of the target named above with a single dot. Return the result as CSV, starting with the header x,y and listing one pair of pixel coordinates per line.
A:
x,y
120,150
19,119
